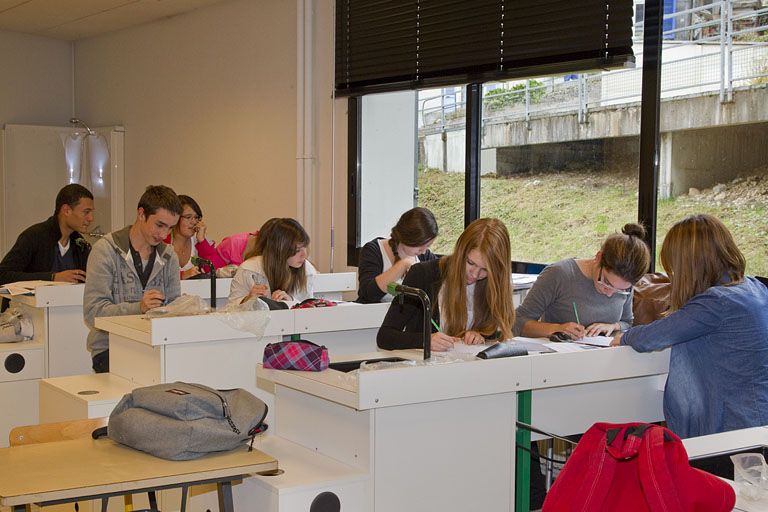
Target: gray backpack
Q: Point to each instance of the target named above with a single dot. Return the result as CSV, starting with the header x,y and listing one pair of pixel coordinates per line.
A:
x,y
182,421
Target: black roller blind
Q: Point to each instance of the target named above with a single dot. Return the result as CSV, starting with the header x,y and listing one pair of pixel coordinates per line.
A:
x,y
388,45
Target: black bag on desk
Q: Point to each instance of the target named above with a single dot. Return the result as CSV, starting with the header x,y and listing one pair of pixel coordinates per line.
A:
x,y
182,421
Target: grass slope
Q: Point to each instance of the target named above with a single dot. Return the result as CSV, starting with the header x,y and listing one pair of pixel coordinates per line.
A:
x,y
554,216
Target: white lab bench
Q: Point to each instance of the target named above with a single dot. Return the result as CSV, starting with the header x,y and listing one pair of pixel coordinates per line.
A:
x,y
22,365
57,316
412,429
728,442
206,349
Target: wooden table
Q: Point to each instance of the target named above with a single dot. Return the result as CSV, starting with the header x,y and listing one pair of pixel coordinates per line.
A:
x,y
84,469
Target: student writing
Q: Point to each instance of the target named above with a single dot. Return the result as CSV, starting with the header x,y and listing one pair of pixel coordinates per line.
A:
x,y
598,290
470,291
277,268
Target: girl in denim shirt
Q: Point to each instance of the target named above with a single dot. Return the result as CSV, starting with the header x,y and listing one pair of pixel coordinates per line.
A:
x,y
717,328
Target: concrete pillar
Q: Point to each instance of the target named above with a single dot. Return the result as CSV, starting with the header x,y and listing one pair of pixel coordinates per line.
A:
x,y
703,158
665,165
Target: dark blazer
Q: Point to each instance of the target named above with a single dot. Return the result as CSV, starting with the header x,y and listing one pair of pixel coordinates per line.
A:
x,y
370,265
403,324
32,256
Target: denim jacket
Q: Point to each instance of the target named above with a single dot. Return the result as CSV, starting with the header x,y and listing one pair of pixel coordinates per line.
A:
x,y
718,368
113,287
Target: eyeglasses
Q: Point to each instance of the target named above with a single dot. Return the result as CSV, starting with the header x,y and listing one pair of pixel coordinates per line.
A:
x,y
603,282
192,217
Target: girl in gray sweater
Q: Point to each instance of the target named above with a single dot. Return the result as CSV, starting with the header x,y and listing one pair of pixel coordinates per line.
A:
x,y
587,297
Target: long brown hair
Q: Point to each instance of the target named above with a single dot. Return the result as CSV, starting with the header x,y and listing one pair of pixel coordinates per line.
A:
x,y
277,241
626,254
415,227
493,308
698,253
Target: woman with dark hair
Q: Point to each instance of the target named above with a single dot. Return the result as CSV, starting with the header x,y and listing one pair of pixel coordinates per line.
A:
x,y
587,297
717,327
277,267
387,260
188,239
470,291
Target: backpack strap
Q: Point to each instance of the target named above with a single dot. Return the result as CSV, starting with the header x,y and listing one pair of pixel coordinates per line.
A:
x,y
658,487
99,432
599,475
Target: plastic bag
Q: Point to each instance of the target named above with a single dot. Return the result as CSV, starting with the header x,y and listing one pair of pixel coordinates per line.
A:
x,y
751,477
227,271
184,305
14,326
251,316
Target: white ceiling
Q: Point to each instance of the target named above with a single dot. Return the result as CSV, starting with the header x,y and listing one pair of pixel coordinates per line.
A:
x,y
79,19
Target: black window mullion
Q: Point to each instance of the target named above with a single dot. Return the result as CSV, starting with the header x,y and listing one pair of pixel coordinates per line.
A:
x,y
472,152
649,123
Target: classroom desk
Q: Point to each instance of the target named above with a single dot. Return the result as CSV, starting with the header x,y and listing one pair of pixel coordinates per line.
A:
x,y
205,349
22,366
727,442
414,428
60,333
57,316
83,469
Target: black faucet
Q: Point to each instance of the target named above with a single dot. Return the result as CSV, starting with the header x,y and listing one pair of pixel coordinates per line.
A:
x,y
400,290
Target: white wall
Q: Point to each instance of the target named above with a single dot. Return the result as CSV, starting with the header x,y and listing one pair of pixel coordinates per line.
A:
x,y
35,80
35,88
226,103
208,102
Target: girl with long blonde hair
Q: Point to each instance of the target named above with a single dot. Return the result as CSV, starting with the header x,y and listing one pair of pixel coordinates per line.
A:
x,y
470,291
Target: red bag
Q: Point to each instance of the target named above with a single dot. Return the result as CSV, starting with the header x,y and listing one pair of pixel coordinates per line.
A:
x,y
635,467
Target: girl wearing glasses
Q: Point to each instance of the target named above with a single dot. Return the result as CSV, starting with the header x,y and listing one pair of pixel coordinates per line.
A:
x,y
277,267
470,291
718,330
587,297
188,239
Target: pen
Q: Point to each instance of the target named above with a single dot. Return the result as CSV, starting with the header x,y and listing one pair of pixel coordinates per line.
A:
x,y
575,312
436,326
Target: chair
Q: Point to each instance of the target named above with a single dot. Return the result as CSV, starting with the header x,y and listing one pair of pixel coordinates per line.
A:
x,y
64,431
526,267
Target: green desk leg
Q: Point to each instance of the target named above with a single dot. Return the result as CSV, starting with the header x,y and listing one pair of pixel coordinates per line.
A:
x,y
522,457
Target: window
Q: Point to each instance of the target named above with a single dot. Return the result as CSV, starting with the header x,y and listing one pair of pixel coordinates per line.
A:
x,y
432,46
713,157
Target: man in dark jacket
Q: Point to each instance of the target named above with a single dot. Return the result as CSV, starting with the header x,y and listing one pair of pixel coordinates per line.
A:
x,y
53,250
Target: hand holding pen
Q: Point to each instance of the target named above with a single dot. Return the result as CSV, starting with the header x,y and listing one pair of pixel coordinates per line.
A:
x,y
573,329
152,299
441,342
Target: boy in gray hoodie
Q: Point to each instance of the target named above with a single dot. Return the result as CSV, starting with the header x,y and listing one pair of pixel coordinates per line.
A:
x,y
132,270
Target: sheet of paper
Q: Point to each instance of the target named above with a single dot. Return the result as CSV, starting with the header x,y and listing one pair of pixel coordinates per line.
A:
x,y
26,287
598,341
568,347
461,348
532,345
524,278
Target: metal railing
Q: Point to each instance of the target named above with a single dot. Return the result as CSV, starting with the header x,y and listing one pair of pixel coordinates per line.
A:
x,y
710,49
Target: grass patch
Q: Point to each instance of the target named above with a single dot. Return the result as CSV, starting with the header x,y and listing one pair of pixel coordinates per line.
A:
x,y
559,215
